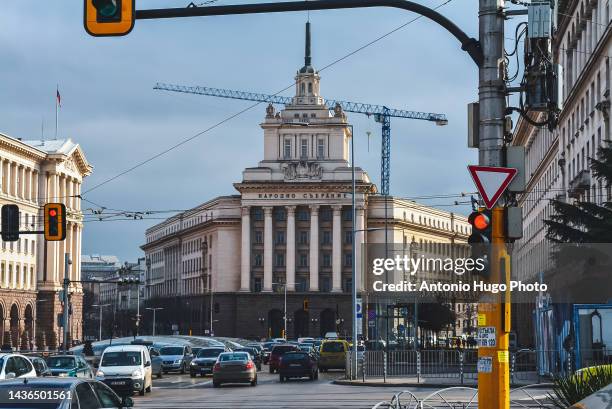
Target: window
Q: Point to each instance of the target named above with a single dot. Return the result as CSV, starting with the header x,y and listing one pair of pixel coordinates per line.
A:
x,y
287,149
280,237
303,237
310,88
279,214
326,237
303,215
87,398
280,260
325,284
303,260
326,260
348,285
348,237
320,148
301,284
326,214
348,214
257,260
258,214
348,259
258,237
304,148
257,284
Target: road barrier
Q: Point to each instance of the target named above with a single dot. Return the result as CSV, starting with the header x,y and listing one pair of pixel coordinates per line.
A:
x,y
459,366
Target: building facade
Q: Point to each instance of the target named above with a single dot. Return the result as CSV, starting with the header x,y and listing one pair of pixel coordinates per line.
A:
x,y
557,161
226,264
33,173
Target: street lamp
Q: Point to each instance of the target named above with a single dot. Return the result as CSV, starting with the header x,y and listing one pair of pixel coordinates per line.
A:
x,y
100,306
354,260
154,311
285,313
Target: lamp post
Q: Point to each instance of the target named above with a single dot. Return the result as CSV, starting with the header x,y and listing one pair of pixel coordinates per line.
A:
x,y
100,306
285,312
354,259
155,309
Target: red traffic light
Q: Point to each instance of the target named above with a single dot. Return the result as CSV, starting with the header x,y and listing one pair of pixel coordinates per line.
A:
x,y
481,222
52,212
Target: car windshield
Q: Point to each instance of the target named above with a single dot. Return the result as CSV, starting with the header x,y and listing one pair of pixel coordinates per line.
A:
x,y
239,356
61,362
209,353
332,347
293,356
171,351
281,349
126,358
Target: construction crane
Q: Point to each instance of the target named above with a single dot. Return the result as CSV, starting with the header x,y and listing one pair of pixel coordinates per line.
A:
x,y
381,114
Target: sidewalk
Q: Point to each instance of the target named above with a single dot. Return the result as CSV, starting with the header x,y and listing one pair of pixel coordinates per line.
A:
x,y
431,382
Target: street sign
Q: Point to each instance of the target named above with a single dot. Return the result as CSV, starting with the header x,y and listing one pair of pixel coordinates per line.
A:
x,y
485,364
491,182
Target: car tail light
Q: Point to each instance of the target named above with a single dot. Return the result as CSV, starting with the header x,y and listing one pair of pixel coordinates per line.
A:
x,y
249,365
217,367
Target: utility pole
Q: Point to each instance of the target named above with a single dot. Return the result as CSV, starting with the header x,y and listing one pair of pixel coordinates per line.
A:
x,y
493,384
66,286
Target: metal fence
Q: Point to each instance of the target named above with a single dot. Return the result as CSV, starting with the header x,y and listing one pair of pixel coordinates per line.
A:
x,y
460,365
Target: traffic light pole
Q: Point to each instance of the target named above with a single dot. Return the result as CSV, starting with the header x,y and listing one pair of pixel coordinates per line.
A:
x,y
493,376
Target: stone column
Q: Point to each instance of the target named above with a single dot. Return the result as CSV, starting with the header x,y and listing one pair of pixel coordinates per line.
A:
x,y
245,250
360,237
268,247
69,193
9,178
35,194
314,248
290,258
1,175
22,184
337,250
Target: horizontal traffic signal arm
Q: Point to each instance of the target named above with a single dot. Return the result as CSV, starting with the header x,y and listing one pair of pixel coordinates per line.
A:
x,y
468,44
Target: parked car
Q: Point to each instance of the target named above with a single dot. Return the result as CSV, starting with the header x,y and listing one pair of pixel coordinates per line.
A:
x,y
277,352
195,350
156,362
234,367
40,366
176,358
72,393
332,354
16,366
258,347
203,363
254,355
298,365
69,365
126,368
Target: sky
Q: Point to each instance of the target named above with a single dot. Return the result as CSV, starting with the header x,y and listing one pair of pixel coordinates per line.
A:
x,y
110,108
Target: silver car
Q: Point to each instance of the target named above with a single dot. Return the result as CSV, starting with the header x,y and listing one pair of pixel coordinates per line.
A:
x,y
176,358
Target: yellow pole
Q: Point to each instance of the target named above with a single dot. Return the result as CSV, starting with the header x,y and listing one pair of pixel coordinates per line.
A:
x,y
494,385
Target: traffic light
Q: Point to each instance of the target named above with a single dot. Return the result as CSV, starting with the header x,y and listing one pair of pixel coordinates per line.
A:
x,y
306,305
480,240
108,17
10,222
55,221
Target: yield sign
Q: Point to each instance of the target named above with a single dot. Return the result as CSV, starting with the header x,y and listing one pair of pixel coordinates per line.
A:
x,y
491,182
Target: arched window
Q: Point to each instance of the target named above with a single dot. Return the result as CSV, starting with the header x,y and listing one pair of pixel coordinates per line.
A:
x,y
310,88
302,88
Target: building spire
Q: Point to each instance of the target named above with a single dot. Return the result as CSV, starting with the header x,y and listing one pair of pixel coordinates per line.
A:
x,y
307,58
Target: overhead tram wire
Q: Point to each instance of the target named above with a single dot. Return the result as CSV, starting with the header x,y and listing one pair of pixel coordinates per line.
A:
x,y
248,108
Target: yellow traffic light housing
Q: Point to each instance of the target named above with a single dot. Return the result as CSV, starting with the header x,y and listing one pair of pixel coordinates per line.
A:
x,y
55,221
104,18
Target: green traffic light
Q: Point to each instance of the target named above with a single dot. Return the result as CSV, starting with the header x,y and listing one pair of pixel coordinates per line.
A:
x,y
106,8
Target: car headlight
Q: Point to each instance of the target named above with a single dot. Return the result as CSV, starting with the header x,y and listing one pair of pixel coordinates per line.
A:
x,y
63,374
100,373
137,373
193,363
178,361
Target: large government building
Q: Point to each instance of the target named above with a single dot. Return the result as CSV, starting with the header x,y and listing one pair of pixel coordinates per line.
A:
x,y
33,173
225,265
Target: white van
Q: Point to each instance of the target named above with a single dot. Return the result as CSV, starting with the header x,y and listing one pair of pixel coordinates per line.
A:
x,y
125,369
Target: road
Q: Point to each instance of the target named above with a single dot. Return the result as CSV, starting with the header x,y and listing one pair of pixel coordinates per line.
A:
x,y
181,391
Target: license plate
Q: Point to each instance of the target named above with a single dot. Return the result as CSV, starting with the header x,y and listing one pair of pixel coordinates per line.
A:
x,y
118,383
296,365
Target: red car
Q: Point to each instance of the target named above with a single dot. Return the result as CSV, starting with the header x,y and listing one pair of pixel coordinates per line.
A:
x,y
277,352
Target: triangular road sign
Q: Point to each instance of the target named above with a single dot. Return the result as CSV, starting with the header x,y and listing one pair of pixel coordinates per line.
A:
x,y
491,182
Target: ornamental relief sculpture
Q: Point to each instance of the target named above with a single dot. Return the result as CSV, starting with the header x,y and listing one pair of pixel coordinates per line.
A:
x,y
302,170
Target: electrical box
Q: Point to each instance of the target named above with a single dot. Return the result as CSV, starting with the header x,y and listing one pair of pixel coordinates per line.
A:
x,y
514,222
539,19
473,125
515,158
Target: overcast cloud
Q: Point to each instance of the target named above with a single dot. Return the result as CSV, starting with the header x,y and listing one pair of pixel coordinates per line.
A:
x,y
110,108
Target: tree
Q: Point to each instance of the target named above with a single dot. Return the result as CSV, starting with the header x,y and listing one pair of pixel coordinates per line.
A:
x,y
581,221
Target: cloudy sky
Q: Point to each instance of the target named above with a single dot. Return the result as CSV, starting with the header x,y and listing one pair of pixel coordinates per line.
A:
x,y
111,109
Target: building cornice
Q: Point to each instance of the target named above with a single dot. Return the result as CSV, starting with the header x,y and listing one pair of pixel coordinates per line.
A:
x,y
178,235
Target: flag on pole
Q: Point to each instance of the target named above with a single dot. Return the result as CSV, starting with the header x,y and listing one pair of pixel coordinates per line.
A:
x,y
59,98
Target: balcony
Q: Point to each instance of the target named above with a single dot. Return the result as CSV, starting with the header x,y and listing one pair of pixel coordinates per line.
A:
x,y
579,184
